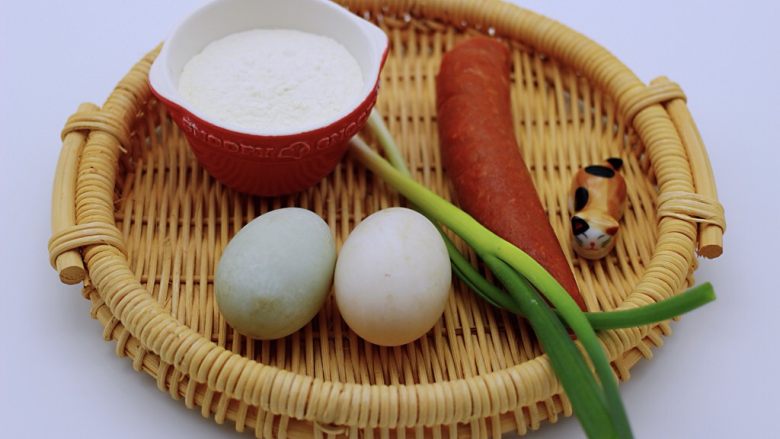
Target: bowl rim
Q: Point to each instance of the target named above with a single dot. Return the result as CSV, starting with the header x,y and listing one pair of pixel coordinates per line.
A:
x,y
162,85
214,128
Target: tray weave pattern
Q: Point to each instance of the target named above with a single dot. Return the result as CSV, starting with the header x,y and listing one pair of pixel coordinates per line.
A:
x,y
144,226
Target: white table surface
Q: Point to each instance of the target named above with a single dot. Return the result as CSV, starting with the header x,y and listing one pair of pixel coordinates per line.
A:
x,y
715,376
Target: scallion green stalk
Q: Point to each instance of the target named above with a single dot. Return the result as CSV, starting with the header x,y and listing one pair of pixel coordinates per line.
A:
x,y
600,413
596,403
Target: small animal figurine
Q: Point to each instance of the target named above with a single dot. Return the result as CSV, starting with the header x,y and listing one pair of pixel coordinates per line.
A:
x,y
598,199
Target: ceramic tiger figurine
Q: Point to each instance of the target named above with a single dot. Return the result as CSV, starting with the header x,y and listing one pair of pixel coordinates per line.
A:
x,y
597,200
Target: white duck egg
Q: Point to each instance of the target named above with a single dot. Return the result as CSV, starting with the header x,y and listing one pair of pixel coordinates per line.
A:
x,y
392,277
275,274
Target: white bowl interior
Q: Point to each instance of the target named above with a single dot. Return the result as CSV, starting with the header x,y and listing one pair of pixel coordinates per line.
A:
x,y
364,41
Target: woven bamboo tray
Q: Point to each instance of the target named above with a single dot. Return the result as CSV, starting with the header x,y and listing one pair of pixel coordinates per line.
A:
x,y
143,226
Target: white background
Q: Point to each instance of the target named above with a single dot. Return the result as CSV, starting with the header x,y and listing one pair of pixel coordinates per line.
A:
x,y
715,377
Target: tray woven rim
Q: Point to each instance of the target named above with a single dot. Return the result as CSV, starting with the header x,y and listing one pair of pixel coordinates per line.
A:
x,y
115,292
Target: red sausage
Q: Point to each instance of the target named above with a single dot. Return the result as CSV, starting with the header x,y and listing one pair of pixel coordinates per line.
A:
x,y
482,158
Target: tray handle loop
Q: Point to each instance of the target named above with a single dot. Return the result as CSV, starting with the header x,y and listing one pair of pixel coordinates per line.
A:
x,y
655,93
702,207
93,119
67,236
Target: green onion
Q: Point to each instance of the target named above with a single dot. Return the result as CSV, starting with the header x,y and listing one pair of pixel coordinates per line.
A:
x,y
598,407
596,403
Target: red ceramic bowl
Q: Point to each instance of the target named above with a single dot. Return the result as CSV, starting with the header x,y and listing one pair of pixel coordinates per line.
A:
x,y
268,163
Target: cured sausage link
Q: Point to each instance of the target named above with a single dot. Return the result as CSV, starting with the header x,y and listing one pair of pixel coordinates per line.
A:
x,y
481,156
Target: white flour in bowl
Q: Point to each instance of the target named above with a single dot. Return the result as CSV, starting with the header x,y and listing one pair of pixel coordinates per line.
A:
x,y
272,80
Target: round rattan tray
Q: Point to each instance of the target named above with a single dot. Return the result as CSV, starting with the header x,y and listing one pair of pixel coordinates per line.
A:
x,y
143,226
